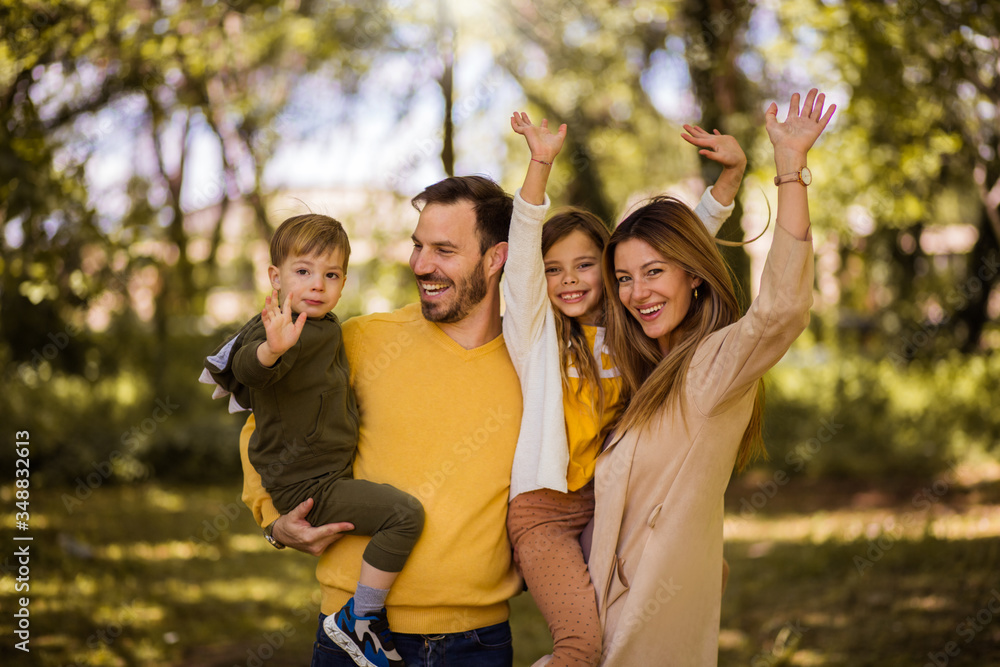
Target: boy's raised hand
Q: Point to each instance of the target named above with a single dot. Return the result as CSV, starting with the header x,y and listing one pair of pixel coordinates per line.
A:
x,y
543,144
282,332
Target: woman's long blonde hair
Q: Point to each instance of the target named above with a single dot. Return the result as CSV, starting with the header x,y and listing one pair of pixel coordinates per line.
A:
x,y
573,348
650,378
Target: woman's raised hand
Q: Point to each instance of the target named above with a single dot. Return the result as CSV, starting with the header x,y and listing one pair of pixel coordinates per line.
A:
x,y
792,140
543,144
802,127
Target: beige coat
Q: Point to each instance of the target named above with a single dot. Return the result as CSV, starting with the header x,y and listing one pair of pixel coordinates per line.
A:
x,y
656,559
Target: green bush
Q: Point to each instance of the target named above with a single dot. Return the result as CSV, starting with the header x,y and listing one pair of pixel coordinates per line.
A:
x,y
828,414
133,420
847,415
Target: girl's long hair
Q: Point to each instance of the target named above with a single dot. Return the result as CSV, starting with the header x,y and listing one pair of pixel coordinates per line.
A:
x,y
650,379
573,348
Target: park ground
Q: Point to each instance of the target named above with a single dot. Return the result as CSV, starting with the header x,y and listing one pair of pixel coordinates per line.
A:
x,y
823,573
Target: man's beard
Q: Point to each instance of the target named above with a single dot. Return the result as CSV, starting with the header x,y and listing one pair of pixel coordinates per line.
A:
x,y
469,292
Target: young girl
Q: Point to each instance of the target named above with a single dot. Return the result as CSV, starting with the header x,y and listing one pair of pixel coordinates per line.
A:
x,y
569,385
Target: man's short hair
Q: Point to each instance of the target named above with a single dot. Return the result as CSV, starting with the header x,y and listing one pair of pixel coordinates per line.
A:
x,y
492,205
309,234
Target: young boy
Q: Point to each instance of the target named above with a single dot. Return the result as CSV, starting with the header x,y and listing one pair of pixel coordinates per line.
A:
x,y
289,366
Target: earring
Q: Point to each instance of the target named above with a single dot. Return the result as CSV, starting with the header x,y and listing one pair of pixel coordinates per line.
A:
x,y
695,292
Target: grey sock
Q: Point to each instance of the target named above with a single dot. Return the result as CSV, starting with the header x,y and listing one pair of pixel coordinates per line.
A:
x,y
369,600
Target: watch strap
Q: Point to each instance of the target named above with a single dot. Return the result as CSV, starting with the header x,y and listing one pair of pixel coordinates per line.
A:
x,y
269,536
794,177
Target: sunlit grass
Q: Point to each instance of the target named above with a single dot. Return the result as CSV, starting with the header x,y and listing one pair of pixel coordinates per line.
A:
x,y
128,578
821,575
852,525
150,575
869,576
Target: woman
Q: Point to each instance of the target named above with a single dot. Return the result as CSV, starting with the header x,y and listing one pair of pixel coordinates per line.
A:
x,y
692,374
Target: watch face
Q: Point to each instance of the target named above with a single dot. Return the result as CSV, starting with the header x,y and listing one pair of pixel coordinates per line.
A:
x,y
806,176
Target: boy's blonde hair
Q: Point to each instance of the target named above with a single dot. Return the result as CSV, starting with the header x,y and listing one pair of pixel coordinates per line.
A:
x,y
309,234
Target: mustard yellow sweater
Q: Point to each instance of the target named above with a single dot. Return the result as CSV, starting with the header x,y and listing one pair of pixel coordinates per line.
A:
x,y
583,423
439,422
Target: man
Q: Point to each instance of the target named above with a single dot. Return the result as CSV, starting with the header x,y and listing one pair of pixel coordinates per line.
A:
x,y
440,407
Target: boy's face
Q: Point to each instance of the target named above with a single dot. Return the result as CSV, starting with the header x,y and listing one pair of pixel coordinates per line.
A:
x,y
313,282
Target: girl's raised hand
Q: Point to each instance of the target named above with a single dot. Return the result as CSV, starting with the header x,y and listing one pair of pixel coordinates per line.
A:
x,y
718,147
802,127
543,144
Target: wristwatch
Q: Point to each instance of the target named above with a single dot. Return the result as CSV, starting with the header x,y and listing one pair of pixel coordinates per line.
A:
x,y
803,176
269,536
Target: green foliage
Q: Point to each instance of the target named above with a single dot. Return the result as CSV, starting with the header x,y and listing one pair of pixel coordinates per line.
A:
x,y
912,153
584,63
100,291
119,423
848,415
75,77
126,274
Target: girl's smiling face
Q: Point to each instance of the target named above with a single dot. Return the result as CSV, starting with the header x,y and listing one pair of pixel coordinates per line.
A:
x,y
573,274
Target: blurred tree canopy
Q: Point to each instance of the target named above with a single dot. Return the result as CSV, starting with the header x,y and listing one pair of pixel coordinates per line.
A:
x,y
918,153
74,73
104,282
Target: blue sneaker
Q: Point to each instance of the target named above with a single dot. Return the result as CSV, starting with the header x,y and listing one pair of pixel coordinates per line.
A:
x,y
365,638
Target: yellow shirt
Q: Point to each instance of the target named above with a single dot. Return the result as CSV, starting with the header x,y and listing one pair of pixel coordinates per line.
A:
x,y
583,424
439,422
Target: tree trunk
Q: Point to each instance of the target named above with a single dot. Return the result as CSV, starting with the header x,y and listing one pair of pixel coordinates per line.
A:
x,y
713,29
981,276
446,43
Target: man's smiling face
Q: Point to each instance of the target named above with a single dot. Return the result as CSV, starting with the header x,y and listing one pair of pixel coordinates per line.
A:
x,y
446,260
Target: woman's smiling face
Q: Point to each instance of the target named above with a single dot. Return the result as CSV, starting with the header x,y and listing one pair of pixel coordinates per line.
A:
x,y
654,290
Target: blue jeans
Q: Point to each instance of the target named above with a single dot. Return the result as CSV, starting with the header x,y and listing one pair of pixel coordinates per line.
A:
x,y
491,646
